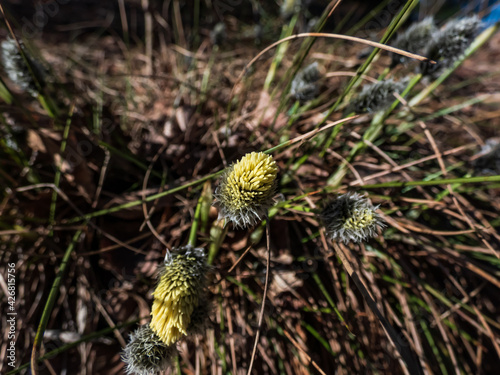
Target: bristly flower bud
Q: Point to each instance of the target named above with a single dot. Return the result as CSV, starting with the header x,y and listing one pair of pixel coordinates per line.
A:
x,y
487,162
351,217
247,189
218,34
16,69
449,44
290,7
304,85
180,289
376,96
414,39
146,354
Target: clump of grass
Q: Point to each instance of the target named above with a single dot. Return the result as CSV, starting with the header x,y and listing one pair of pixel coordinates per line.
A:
x,y
432,269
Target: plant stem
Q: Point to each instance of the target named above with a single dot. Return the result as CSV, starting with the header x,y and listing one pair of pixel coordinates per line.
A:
x,y
47,310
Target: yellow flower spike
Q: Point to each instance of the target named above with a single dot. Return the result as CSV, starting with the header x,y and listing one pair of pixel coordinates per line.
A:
x,y
181,285
246,190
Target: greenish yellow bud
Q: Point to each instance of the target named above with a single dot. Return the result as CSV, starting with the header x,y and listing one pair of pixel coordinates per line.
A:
x,y
351,217
247,189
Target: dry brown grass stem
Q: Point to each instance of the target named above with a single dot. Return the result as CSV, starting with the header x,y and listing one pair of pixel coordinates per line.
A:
x,y
405,352
79,212
327,35
296,344
312,133
410,164
266,285
147,215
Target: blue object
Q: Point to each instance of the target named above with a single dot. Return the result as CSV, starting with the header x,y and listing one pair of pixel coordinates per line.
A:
x,y
477,5
493,17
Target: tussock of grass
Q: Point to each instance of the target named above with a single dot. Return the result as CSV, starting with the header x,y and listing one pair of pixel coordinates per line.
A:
x,y
127,165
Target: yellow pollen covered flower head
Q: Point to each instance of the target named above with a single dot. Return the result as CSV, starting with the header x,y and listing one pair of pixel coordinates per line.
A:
x,y
181,285
247,189
351,217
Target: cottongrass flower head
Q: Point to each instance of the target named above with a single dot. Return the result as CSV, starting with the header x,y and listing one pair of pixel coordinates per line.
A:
x,y
218,34
351,217
304,85
414,39
487,161
180,289
16,69
247,189
146,354
449,44
289,8
376,96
